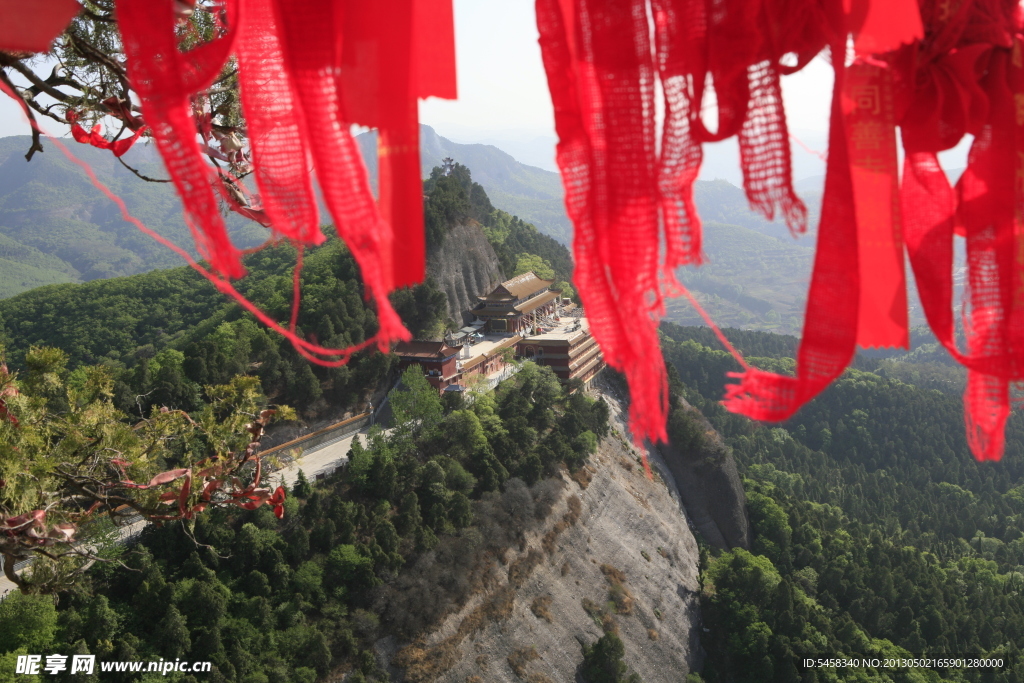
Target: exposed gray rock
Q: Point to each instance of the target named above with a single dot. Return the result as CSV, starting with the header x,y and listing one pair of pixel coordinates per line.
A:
x,y
464,266
710,486
626,526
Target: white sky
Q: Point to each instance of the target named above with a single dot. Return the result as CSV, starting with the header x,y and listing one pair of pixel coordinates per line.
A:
x,y
503,93
502,84
503,90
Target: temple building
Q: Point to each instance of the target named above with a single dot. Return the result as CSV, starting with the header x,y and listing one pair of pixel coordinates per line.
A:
x,y
516,305
569,350
522,317
439,360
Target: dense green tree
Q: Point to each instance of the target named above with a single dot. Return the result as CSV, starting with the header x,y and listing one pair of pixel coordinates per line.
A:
x,y
293,599
531,262
173,634
602,662
415,405
302,488
28,622
879,532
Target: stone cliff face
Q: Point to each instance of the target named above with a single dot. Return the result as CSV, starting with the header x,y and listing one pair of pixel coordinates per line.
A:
x,y
615,553
710,486
464,267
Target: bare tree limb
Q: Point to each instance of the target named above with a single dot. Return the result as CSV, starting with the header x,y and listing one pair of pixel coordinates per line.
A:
x,y
141,175
39,84
12,576
37,145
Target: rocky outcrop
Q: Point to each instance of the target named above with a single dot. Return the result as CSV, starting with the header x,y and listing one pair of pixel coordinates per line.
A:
x,y
709,485
464,266
615,553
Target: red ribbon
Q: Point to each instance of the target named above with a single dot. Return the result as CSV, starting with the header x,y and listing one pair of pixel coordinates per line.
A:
x,y
308,70
96,139
33,28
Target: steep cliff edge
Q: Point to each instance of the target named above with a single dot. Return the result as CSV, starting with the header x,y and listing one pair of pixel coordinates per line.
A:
x,y
614,554
706,476
464,266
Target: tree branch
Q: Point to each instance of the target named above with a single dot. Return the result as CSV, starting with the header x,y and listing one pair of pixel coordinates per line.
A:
x,y
12,576
37,145
140,175
39,85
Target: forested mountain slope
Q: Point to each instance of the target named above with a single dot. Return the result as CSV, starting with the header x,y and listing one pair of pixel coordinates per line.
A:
x,y
456,507
531,193
875,531
167,333
56,227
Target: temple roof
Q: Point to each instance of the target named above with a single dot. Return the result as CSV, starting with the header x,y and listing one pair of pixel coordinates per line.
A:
x,y
536,302
424,350
519,287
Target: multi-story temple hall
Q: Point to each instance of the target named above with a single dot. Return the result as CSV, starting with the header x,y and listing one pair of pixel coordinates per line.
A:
x,y
522,317
515,305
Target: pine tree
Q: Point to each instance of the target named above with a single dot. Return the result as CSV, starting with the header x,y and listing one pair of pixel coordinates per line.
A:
x,y
172,634
409,518
302,489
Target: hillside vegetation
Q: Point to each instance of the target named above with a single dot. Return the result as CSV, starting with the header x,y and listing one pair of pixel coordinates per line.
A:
x,y
56,227
533,194
412,528
875,531
168,333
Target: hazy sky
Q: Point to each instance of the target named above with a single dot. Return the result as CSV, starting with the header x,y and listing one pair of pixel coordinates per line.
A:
x,y
502,83
504,98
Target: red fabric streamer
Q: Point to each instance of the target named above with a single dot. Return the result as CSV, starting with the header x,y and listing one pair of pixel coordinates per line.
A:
x,y
308,70
939,71
396,51
871,142
620,189
602,88
165,80
96,139
34,29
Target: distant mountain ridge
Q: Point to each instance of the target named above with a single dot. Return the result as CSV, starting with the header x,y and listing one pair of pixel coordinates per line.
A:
x,y
56,227
531,193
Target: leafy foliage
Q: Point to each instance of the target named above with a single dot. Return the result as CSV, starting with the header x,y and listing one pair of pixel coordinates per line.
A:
x,y
520,246
602,661
68,457
388,545
875,532
165,334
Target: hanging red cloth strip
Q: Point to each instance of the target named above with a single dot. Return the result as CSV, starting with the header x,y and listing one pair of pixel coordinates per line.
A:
x,y
857,293
602,87
165,80
940,71
868,110
34,29
831,318
296,60
620,189
396,51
